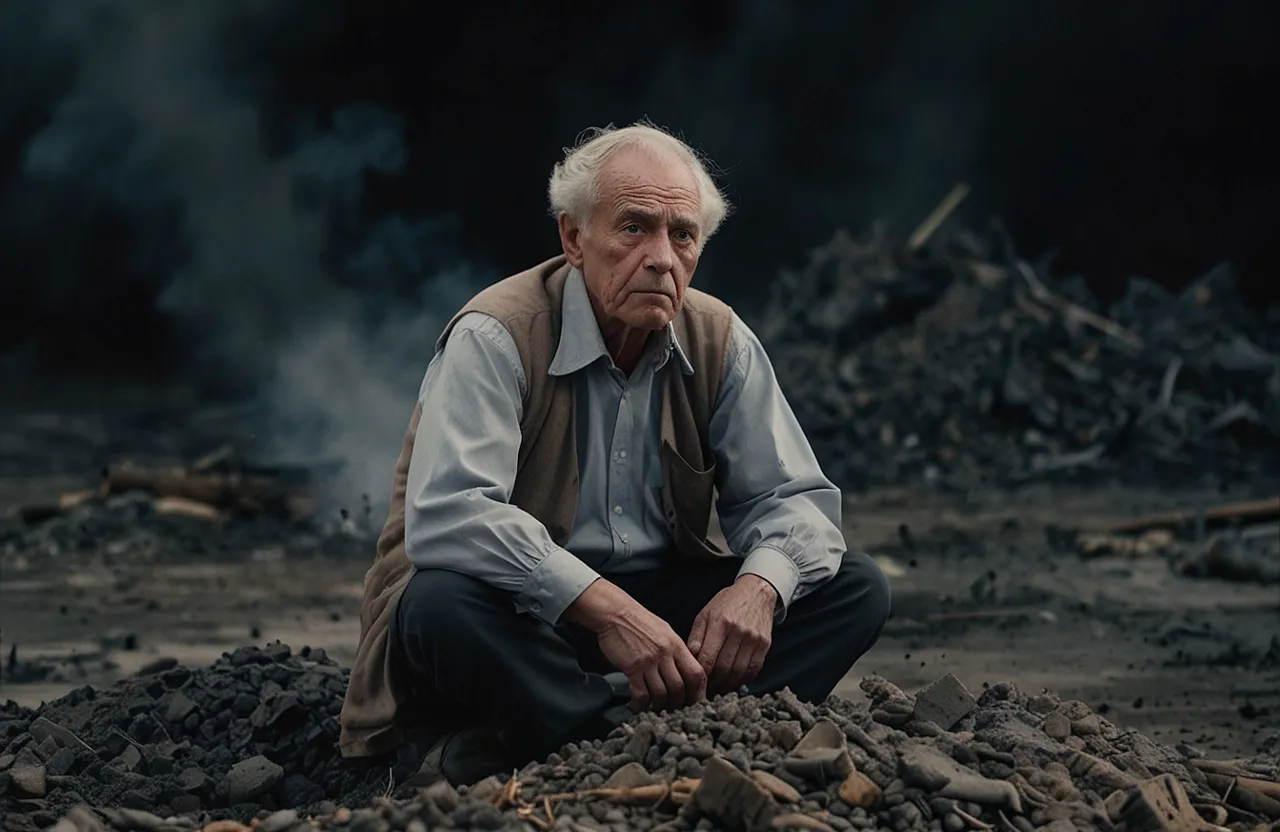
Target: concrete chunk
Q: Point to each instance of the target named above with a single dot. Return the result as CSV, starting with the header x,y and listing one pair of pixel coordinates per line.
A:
x,y
250,778
734,800
944,703
28,781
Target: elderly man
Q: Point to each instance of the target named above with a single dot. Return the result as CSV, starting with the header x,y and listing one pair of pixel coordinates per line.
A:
x,y
547,566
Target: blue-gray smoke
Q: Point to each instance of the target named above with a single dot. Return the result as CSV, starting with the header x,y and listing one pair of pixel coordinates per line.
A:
x,y
266,260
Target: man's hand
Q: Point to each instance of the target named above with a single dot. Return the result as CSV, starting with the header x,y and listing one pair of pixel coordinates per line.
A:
x,y
662,671
732,634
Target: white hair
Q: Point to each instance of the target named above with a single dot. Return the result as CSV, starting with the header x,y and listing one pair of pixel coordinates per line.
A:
x,y
574,187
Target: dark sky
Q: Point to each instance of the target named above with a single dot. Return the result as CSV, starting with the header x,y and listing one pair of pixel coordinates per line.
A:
x,y
181,180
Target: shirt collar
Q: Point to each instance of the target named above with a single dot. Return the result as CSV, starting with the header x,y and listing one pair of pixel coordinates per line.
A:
x,y
581,342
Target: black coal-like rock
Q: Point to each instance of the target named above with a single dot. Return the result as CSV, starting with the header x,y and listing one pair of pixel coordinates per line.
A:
x,y
174,750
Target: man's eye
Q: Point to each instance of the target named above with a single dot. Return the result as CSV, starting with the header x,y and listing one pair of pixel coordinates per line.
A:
x,y
631,229
684,235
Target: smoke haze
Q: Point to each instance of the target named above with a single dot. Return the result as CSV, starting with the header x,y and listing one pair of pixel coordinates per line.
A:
x,y
267,264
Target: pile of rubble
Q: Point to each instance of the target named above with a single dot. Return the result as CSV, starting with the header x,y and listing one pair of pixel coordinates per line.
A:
x,y
250,741
259,727
141,514
972,367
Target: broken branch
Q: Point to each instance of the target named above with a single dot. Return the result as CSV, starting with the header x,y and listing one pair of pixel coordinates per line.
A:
x,y
931,223
1266,509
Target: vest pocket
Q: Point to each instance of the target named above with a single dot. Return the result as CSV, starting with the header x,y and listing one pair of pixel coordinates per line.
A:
x,y
688,496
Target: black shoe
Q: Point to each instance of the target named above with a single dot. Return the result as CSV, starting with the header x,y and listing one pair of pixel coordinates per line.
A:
x,y
465,756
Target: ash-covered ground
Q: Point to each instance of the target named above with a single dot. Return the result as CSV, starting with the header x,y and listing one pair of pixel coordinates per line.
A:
x,y
1011,448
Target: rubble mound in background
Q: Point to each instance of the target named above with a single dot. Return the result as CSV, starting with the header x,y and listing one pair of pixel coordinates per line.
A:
x,y
252,738
975,367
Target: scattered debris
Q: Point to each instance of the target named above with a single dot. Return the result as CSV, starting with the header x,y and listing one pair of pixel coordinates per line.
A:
x,y
214,484
1235,552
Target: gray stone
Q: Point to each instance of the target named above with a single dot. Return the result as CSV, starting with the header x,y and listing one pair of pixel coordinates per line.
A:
x,y
42,729
944,703
129,760
1056,725
28,781
62,762
279,821
250,778
179,708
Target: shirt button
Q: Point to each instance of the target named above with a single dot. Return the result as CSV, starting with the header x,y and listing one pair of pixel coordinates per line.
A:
x,y
535,606
622,454
624,538
617,509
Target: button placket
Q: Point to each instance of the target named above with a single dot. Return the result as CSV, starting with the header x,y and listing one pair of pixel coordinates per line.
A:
x,y
617,469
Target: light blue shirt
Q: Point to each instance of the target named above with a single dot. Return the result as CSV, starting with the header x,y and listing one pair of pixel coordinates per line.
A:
x,y
776,508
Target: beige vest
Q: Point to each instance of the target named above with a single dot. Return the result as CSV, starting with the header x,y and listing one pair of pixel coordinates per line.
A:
x,y
546,485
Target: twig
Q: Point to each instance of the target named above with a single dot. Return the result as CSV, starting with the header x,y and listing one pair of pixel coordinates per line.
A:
x,y
1041,293
510,794
525,813
83,744
937,217
1167,382
970,819
129,739
1255,510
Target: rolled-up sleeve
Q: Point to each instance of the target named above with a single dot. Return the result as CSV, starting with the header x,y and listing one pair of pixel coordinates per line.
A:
x,y
458,514
777,508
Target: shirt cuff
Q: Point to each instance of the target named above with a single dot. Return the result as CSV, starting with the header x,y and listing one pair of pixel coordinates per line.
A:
x,y
554,584
779,570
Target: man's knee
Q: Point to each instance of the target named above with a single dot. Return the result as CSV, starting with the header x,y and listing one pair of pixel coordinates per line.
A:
x,y
438,600
861,587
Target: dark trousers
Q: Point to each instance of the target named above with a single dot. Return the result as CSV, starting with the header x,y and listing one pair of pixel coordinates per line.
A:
x,y
474,660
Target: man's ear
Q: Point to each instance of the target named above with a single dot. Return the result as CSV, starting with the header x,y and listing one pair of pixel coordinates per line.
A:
x,y
571,240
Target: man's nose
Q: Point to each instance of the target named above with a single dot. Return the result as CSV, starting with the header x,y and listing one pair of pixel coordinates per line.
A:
x,y
660,258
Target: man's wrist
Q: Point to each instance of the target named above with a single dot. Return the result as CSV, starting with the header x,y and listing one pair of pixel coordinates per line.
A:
x,y
599,606
760,585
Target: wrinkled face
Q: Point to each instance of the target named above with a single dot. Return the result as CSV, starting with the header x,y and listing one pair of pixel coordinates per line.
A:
x,y
640,246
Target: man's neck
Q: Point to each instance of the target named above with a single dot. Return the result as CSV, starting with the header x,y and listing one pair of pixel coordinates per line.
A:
x,y
625,344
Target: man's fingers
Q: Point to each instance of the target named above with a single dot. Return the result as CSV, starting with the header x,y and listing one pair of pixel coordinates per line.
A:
x,y
756,664
741,672
695,678
712,643
698,632
722,671
657,689
673,683
639,692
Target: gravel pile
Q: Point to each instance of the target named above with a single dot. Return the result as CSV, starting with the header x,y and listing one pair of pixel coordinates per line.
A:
x,y
971,366
251,739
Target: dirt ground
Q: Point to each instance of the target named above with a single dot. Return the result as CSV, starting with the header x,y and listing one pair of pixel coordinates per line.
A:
x,y
978,592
